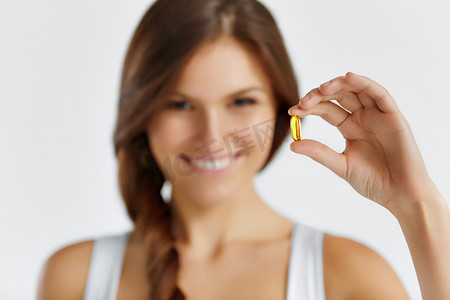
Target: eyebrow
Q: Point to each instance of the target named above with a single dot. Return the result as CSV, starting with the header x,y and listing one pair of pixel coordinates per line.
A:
x,y
234,94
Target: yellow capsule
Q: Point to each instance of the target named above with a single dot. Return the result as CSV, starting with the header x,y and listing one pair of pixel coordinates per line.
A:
x,y
296,128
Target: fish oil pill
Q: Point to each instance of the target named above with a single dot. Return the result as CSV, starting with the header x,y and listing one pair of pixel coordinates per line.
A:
x,y
295,128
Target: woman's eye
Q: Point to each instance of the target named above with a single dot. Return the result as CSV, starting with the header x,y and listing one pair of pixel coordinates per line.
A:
x,y
243,102
179,105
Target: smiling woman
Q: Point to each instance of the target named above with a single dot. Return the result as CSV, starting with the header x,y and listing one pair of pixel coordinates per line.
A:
x,y
194,96
214,117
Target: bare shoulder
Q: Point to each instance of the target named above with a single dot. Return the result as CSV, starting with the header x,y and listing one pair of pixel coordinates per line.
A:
x,y
64,274
355,271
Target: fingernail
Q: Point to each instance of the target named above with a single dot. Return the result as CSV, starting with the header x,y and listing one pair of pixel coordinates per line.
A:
x,y
291,108
326,83
304,100
307,97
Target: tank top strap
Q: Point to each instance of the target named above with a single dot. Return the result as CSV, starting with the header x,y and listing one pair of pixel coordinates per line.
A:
x,y
305,276
106,267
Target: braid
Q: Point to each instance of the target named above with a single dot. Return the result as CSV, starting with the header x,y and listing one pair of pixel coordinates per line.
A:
x,y
162,256
162,263
141,176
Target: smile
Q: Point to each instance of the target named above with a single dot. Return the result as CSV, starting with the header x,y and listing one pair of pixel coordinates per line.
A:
x,y
211,165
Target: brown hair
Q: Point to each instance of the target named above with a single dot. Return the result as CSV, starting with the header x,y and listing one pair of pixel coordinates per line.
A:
x,y
167,36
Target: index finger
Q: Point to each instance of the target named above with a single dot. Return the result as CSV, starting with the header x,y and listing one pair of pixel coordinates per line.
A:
x,y
358,84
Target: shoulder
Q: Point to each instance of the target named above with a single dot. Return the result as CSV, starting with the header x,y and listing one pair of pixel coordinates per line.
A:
x,y
353,270
64,273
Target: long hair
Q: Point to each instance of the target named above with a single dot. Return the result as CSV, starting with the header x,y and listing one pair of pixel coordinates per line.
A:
x,y
166,37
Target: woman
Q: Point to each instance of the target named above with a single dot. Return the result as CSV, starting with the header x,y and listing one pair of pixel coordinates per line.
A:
x,y
199,79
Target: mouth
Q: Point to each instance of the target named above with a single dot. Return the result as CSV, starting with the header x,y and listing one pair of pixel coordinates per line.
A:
x,y
211,165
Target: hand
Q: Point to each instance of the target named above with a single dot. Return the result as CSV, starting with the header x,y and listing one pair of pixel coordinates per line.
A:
x,y
381,160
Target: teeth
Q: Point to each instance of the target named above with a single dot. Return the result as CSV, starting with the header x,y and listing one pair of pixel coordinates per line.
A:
x,y
212,164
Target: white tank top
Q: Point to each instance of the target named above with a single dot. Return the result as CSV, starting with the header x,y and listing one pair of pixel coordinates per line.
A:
x,y
305,277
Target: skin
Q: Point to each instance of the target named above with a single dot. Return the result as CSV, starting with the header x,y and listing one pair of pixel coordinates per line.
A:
x,y
222,226
383,163
214,210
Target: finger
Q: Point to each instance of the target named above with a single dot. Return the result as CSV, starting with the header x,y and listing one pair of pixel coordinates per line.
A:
x,y
330,112
362,96
365,99
362,86
321,153
347,100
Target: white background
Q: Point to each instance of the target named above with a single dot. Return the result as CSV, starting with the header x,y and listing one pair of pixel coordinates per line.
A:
x,y
60,64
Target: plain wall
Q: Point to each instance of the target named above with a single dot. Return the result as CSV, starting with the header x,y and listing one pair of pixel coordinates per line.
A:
x,y
60,64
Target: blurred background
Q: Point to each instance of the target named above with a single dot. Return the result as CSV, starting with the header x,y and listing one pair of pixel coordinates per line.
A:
x,y
60,64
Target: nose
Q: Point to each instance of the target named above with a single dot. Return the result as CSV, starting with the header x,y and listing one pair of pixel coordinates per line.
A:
x,y
220,134
211,129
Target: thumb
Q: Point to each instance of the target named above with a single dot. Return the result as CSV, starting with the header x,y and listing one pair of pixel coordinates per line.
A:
x,y
321,153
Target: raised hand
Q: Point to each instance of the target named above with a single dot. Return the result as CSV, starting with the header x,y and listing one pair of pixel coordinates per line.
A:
x,y
383,163
381,159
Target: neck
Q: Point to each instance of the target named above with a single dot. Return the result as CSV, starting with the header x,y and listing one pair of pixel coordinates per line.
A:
x,y
206,226
203,229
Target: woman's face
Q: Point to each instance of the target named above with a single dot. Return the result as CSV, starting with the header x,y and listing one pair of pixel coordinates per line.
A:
x,y
215,131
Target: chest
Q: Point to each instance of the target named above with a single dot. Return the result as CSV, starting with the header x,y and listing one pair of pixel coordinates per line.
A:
x,y
239,273
259,272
